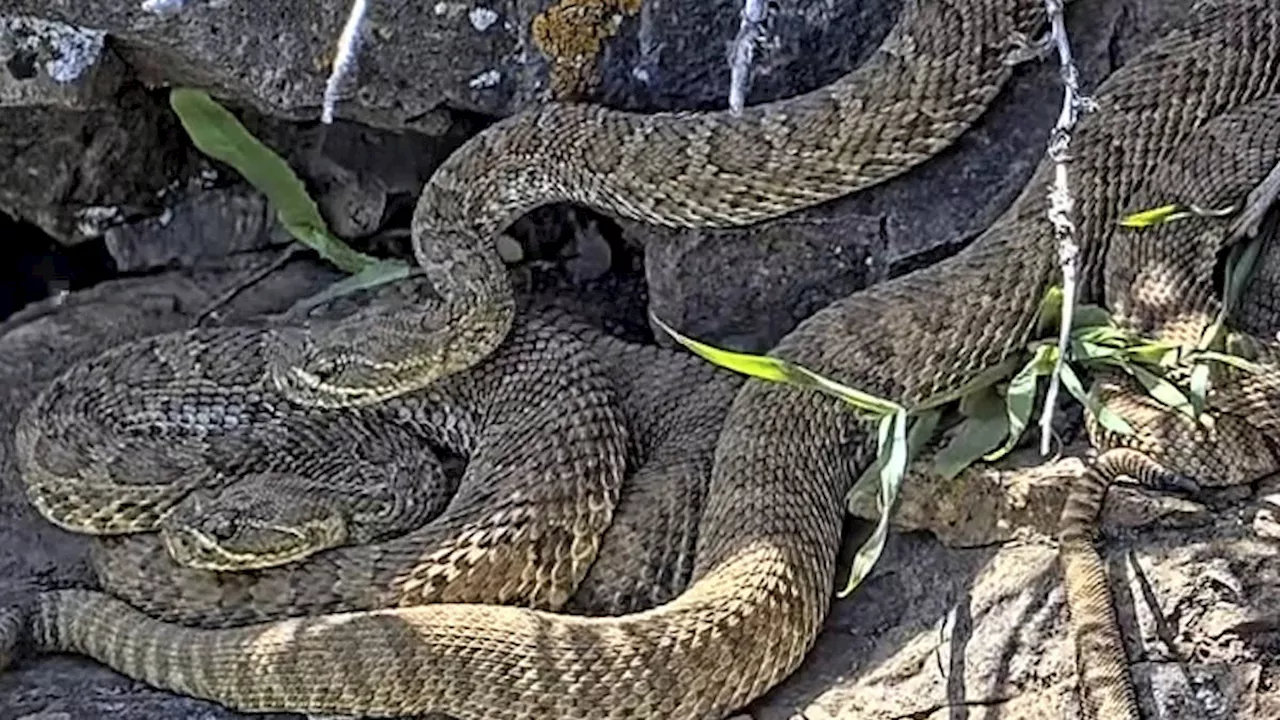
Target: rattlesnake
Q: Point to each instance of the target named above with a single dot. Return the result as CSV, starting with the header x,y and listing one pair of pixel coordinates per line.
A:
x,y
158,435
672,405
931,78
771,523
1163,282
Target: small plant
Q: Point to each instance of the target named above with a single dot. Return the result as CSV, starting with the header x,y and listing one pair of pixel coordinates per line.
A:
x,y
995,407
217,133
900,434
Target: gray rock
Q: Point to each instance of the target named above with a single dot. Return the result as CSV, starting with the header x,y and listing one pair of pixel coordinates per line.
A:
x,y
55,64
487,57
79,149
203,228
76,173
591,257
414,57
745,289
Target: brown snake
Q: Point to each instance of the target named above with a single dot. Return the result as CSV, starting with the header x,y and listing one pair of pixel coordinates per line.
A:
x,y
931,78
1161,284
766,549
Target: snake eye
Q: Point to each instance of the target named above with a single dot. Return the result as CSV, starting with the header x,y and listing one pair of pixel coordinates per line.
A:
x,y
221,524
324,368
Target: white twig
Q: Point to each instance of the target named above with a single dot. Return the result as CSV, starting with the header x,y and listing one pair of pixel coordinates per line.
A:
x,y
344,60
749,31
163,7
1061,206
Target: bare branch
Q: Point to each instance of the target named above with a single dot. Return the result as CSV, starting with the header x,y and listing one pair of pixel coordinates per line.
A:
x,y
344,60
749,31
1062,205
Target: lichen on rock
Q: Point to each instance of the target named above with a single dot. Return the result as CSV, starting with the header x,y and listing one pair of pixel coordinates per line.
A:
x,y
571,34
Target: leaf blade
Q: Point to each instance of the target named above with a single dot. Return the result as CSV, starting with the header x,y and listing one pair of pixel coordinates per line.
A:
x,y
220,135
774,369
892,432
1020,397
1154,216
984,429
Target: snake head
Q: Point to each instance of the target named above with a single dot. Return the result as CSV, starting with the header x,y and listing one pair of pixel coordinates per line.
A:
x,y
250,525
370,357
405,339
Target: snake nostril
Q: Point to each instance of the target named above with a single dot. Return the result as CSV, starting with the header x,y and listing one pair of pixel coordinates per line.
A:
x,y
322,369
325,367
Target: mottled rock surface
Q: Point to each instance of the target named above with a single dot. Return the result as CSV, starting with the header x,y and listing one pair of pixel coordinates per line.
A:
x,y
964,616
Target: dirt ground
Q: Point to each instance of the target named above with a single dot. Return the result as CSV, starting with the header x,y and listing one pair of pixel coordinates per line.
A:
x,y
976,630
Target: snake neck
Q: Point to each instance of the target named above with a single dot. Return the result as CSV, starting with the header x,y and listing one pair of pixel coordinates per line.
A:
x,y
928,82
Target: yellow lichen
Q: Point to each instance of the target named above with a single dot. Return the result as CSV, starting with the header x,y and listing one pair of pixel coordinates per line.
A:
x,y
571,35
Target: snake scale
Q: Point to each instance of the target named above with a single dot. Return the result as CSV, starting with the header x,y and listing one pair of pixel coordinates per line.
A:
x,y
770,526
1164,282
934,74
672,406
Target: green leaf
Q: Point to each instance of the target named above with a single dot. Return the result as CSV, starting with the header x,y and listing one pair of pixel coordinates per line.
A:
x,y
1158,354
1234,361
1049,314
923,426
1088,352
889,468
1020,398
1108,335
985,427
1168,213
892,459
1155,216
1087,316
1105,416
218,134
1199,387
778,370
380,273
861,400
1161,389
756,366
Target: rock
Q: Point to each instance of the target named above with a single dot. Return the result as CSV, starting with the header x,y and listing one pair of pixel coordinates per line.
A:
x,y
509,250
203,228
1202,690
81,148
933,629
713,285
413,58
982,629
76,173
54,64
745,289
592,257
29,269
492,58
